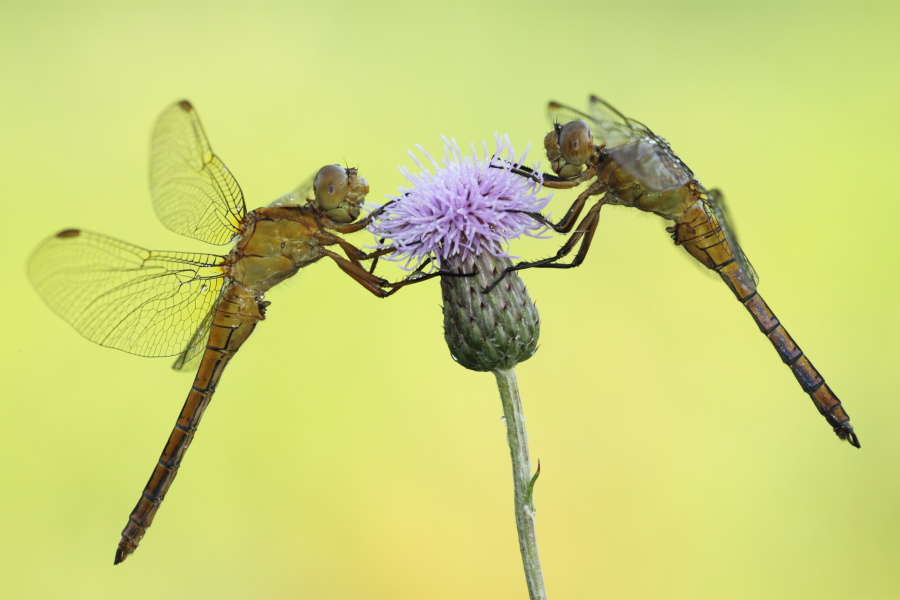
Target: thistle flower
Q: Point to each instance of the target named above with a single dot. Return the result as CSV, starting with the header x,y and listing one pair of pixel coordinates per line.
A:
x,y
461,216
463,208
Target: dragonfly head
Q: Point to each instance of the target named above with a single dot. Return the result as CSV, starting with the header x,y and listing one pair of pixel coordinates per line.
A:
x,y
569,147
576,143
339,193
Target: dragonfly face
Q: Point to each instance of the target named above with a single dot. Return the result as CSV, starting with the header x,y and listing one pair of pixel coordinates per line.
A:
x,y
569,147
340,193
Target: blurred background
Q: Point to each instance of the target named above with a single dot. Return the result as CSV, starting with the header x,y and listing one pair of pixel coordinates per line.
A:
x,y
346,455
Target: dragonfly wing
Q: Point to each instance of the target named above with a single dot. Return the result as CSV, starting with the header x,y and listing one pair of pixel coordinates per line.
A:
x,y
609,129
716,202
561,114
193,192
125,297
613,129
189,358
299,196
638,150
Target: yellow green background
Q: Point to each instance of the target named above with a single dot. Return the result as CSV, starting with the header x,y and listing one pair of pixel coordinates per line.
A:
x,y
345,454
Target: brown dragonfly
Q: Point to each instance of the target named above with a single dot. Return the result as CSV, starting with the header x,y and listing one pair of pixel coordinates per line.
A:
x,y
625,163
198,306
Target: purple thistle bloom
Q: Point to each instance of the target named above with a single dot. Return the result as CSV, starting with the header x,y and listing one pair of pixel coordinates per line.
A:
x,y
462,208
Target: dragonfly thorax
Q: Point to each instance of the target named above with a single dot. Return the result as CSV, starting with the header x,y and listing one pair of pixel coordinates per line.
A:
x,y
276,242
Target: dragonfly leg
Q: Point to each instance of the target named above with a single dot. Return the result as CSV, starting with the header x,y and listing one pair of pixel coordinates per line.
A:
x,y
418,269
417,277
366,277
376,254
555,182
375,257
584,233
377,285
521,171
550,180
359,225
352,268
568,221
355,254
373,283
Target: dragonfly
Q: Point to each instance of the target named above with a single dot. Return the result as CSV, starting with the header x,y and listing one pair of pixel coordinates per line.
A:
x,y
624,163
198,307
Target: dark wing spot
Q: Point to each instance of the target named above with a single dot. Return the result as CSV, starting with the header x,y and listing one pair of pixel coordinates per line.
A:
x,y
67,233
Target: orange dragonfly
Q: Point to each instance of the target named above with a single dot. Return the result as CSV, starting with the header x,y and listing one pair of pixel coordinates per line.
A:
x,y
627,164
197,306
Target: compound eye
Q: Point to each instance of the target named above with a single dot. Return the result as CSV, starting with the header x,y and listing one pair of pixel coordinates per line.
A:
x,y
576,142
330,186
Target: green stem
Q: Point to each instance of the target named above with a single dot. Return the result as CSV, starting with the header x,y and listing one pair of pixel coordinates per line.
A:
x,y
522,480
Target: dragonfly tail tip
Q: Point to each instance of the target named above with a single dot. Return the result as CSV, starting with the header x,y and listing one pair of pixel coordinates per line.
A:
x,y
121,554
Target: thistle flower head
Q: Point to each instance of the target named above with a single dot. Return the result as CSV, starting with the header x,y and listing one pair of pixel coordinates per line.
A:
x,y
462,215
464,206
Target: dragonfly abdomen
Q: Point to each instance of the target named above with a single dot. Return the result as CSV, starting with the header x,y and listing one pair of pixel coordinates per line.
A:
x,y
812,382
236,317
701,235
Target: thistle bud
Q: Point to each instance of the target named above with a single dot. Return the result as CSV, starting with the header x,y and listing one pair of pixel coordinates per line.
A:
x,y
493,330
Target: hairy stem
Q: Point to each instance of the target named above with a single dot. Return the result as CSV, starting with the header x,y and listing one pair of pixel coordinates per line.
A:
x,y
523,481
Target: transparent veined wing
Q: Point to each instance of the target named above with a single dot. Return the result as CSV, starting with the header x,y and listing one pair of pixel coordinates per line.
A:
x,y
560,114
609,128
193,192
647,156
123,296
189,358
299,195
716,202
614,128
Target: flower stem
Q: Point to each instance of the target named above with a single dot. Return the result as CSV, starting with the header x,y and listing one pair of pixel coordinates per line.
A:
x,y
522,480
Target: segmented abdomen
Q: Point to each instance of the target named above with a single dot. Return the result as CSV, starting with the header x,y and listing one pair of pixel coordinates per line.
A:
x,y
701,235
232,325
